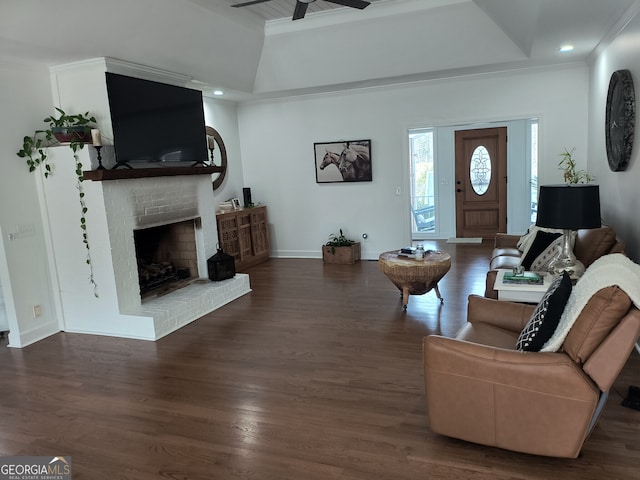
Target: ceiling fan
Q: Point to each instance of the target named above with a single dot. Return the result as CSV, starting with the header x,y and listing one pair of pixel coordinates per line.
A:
x,y
301,5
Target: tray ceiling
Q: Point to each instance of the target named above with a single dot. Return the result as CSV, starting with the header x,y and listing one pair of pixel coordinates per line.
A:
x,y
277,9
258,51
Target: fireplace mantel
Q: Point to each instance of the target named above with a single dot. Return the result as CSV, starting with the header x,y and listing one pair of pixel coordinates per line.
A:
x,y
123,173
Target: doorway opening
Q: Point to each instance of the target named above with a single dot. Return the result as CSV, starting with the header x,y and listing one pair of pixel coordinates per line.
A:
x,y
432,178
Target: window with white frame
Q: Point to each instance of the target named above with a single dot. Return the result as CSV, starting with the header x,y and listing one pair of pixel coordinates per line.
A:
x,y
423,195
533,142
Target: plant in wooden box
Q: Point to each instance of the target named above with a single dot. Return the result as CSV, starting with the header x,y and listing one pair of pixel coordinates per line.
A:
x,y
74,130
340,249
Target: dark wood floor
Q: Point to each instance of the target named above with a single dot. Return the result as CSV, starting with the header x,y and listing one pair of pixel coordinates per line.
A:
x,y
314,375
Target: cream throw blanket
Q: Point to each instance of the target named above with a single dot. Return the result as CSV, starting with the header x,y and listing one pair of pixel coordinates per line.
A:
x,y
608,270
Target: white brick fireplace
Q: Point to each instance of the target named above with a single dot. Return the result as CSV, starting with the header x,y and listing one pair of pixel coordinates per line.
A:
x,y
115,209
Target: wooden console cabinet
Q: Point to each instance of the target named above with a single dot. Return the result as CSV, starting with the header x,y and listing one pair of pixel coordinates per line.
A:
x,y
244,234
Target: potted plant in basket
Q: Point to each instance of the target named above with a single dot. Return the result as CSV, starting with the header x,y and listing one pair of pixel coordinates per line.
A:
x,y
76,131
340,249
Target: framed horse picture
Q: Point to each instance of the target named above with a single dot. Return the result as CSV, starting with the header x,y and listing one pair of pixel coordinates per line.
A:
x,y
343,161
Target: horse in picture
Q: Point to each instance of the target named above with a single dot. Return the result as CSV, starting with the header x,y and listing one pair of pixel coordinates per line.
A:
x,y
331,158
356,156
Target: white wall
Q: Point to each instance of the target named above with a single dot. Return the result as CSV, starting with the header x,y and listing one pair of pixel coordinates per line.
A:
x,y
25,96
618,190
277,138
222,115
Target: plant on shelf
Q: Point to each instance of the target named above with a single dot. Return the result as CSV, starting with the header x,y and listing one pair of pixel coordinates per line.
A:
x,y
74,130
571,175
340,249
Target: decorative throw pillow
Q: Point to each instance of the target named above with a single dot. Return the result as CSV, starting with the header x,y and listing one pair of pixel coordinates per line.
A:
x,y
529,236
541,251
546,316
526,239
542,261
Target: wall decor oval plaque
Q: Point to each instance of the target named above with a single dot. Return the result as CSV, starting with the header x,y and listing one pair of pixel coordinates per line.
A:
x,y
620,120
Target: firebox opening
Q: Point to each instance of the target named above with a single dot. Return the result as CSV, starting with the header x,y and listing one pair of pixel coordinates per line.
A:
x,y
166,257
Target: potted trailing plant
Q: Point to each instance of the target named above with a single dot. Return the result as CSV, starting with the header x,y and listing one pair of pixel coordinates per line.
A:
x,y
568,165
340,249
72,129
76,131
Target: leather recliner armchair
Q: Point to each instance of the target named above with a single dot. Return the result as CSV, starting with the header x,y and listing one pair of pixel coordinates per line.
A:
x,y
479,388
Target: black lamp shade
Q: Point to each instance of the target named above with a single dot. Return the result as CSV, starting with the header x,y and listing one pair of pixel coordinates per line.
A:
x,y
569,207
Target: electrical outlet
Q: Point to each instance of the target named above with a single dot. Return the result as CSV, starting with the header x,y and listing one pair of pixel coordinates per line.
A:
x,y
37,311
398,191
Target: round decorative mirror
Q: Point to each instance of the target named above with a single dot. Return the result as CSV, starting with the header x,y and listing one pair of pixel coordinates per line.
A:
x,y
217,155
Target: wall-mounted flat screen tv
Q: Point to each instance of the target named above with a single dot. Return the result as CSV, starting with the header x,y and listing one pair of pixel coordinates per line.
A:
x,y
156,124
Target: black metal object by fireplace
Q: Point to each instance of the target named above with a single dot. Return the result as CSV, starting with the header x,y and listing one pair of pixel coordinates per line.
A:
x,y
221,266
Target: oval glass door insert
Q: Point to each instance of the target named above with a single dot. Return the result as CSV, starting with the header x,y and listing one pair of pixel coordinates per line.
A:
x,y
480,170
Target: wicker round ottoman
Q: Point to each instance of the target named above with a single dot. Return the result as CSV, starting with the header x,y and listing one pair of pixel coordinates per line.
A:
x,y
415,277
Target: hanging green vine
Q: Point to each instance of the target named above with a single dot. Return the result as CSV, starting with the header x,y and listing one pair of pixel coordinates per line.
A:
x,y
34,148
83,218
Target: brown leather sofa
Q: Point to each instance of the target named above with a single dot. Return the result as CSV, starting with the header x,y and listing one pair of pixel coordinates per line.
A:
x,y
480,389
590,245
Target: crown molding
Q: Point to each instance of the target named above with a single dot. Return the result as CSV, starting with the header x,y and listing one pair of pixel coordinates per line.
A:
x,y
115,65
337,16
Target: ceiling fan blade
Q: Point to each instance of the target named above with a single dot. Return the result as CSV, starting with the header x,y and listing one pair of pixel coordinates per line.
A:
x,y
246,4
351,3
301,9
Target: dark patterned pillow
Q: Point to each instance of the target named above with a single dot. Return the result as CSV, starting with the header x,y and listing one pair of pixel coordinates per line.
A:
x,y
546,316
541,251
542,261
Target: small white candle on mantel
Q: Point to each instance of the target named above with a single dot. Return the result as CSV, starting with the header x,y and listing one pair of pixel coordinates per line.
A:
x,y
96,138
212,142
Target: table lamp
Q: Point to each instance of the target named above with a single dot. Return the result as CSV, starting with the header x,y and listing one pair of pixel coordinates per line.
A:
x,y
568,207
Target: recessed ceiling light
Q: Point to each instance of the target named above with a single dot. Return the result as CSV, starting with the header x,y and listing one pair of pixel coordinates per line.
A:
x,y
566,48
218,92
